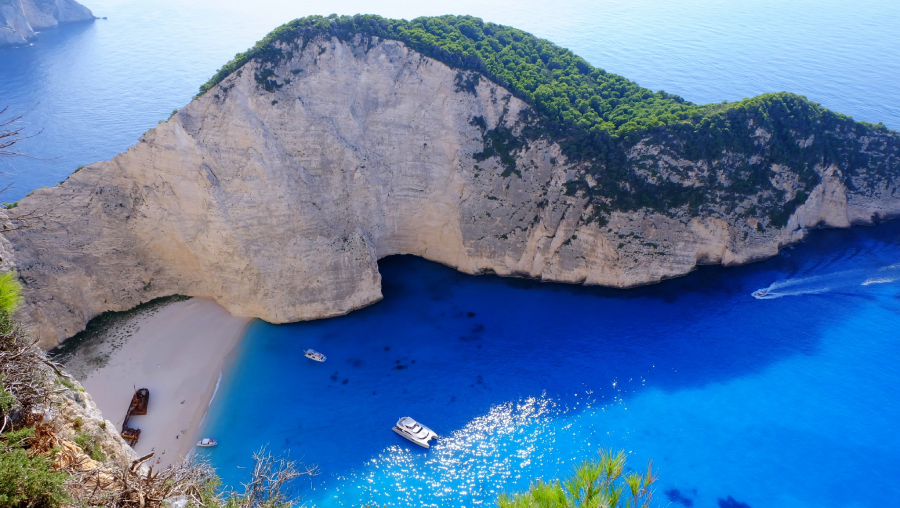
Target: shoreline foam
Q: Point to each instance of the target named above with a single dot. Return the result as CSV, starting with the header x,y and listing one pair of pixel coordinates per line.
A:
x,y
178,352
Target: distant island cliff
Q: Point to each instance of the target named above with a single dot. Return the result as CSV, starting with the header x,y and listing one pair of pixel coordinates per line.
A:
x,y
338,141
20,19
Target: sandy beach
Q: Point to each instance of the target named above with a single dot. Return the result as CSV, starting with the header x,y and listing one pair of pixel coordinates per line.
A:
x,y
177,352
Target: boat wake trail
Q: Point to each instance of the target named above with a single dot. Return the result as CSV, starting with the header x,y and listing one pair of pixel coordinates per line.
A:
x,y
837,281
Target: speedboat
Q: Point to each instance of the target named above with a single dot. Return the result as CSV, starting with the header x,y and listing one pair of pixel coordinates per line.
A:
x,y
415,431
761,293
314,355
207,442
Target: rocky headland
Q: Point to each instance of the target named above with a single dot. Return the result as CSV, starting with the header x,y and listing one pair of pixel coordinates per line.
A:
x,y
335,143
21,19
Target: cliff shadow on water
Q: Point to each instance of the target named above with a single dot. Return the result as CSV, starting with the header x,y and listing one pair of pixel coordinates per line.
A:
x,y
448,348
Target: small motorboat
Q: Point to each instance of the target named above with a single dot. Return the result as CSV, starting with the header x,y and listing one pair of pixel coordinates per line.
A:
x,y
415,431
314,355
207,442
760,294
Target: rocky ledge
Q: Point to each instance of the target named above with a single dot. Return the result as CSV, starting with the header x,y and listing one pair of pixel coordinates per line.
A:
x,y
278,190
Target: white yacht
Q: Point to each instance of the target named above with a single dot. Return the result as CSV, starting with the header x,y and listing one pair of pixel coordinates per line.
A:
x,y
314,355
760,294
415,431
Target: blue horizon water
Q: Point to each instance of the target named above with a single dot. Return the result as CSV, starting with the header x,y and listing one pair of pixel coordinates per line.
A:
x,y
760,400
784,402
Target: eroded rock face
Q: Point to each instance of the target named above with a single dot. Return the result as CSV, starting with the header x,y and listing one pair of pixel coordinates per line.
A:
x,y
20,18
277,192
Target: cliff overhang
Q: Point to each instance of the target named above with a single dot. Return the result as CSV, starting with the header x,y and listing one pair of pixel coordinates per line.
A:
x,y
277,190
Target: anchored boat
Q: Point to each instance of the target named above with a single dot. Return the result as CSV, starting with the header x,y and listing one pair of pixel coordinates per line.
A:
x,y
207,442
415,431
314,355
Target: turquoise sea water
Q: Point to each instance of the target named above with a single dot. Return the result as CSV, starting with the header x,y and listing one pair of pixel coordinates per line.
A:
x,y
785,402
788,401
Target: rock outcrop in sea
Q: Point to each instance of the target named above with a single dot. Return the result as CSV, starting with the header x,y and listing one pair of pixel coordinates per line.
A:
x,y
20,19
278,190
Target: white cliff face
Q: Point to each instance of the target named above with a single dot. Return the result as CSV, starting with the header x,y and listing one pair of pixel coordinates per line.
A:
x,y
20,18
279,204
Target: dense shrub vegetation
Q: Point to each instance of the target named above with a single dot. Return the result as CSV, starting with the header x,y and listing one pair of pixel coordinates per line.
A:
x,y
568,90
598,117
577,98
27,477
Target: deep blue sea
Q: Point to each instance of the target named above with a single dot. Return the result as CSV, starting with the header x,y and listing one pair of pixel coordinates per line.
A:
x,y
785,402
790,401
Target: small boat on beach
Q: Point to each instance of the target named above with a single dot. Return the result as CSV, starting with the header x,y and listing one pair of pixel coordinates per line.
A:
x,y
760,294
207,442
415,431
131,435
138,406
139,402
314,355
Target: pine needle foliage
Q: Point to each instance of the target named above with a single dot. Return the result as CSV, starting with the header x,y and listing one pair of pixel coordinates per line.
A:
x,y
598,483
10,292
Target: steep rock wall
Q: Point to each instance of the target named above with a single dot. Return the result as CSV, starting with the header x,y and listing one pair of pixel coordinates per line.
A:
x,y
277,192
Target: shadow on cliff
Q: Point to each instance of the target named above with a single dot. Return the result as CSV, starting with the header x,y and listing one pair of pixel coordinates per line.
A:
x,y
445,347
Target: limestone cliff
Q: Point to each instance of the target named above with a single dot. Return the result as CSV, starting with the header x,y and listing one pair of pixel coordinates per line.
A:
x,y
276,192
19,19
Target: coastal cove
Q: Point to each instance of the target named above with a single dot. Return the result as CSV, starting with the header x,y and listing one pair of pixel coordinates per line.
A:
x,y
405,216
175,347
731,396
